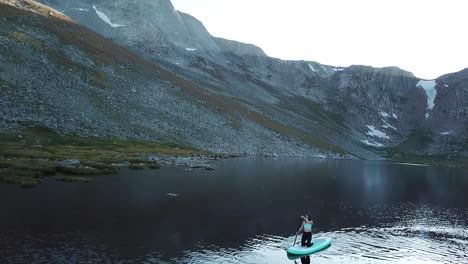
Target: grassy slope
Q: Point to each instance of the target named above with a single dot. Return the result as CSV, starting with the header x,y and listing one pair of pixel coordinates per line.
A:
x,y
108,53
420,139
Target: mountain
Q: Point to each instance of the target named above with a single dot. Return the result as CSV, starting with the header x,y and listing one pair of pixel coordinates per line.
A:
x,y
61,75
152,72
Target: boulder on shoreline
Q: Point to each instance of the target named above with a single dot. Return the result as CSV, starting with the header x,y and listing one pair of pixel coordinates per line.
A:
x,y
69,163
202,166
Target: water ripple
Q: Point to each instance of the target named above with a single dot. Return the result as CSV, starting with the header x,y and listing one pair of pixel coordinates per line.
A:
x,y
398,244
354,245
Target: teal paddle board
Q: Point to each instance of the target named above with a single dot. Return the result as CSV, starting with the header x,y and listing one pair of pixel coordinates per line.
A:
x,y
320,243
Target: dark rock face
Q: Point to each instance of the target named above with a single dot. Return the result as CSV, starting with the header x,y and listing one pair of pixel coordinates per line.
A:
x,y
230,92
451,103
449,118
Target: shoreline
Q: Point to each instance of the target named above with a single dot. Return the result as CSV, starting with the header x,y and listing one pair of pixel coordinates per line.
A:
x,y
29,172
33,154
37,153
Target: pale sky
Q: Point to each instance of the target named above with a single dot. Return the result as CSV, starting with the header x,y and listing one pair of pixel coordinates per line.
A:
x,y
426,37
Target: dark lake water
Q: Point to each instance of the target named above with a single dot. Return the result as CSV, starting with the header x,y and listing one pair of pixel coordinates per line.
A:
x,y
246,211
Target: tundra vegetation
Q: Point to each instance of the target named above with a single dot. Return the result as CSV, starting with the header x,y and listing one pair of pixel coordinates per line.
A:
x,y
27,157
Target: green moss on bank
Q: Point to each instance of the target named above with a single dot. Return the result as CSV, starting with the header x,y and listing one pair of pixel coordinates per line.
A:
x,y
136,167
35,152
154,166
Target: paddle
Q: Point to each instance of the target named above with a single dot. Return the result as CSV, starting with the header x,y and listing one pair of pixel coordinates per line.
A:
x,y
295,240
296,235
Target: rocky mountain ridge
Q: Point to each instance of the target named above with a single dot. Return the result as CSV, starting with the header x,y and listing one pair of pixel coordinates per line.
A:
x,y
241,94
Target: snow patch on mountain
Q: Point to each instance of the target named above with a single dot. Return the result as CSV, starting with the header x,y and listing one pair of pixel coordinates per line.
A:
x,y
371,143
106,19
81,9
431,93
324,68
383,114
395,116
446,133
191,49
311,67
387,125
376,133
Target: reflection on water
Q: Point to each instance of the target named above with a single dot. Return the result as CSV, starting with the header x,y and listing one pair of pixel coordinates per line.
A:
x,y
244,212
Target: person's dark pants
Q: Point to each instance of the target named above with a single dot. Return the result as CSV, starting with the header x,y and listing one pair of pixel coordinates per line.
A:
x,y
305,260
306,239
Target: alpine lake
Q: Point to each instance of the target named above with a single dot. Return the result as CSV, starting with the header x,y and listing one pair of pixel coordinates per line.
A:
x,y
245,211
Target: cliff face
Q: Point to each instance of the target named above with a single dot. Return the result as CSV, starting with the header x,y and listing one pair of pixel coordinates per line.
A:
x,y
451,102
212,93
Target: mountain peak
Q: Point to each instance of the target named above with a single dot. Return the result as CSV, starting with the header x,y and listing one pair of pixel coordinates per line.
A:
x,y
239,48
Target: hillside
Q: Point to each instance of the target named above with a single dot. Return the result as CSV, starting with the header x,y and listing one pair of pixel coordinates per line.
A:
x,y
58,74
157,74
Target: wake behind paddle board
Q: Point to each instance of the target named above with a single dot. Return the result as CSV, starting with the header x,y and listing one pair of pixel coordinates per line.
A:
x,y
320,243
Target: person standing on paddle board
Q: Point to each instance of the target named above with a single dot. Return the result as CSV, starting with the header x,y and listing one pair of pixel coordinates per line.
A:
x,y
306,229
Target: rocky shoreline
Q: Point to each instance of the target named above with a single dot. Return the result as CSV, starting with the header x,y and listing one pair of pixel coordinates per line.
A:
x,y
194,163
189,163
41,152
